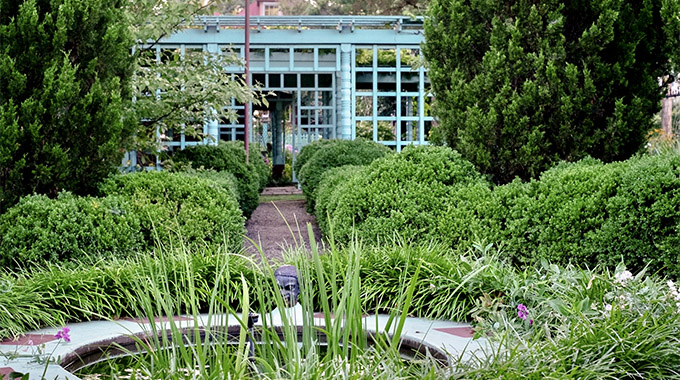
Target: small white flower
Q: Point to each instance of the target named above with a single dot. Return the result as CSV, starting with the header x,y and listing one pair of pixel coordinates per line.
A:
x,y
621,278
608,307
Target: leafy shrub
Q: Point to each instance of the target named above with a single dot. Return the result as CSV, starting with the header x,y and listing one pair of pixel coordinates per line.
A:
x,y
589,213
335,154
642,221
39,229
558,216
66,72
597,60
257,161
225,179
329,188
308,151
199,210
230,157
409,194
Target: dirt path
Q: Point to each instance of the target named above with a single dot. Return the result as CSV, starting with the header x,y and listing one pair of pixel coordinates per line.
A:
x,y
267,226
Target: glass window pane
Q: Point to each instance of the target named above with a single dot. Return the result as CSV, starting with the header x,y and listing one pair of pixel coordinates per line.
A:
x,y
279,58
304,57
328,57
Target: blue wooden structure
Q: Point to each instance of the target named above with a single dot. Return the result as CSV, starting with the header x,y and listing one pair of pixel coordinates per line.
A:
x,y
332,76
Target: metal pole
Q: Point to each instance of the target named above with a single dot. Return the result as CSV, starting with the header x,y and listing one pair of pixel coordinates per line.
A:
x,y
246,120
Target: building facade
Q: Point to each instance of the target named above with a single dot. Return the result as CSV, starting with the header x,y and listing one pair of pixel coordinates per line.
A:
x,y
329,77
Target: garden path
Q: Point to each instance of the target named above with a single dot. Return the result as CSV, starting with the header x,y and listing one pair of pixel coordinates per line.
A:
x,y
280,222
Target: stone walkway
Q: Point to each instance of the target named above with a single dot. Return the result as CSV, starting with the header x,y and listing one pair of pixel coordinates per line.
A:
x,y
280,225
445,341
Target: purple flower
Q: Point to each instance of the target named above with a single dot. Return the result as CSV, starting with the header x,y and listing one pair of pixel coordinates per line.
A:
x,y
63,334
523,313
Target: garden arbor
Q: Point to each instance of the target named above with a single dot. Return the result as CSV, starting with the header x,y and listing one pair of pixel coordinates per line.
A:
x,y
328,77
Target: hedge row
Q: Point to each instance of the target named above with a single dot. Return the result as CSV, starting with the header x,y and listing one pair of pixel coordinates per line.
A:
x,y
591,213
586,213
332,154
418,195
199,210
134,213
39,229
230,157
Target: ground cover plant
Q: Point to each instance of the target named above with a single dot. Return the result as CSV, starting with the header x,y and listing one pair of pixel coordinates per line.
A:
x,y
230,157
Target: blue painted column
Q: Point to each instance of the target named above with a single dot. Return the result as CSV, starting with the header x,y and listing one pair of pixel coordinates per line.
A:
x,y
344,127
212,127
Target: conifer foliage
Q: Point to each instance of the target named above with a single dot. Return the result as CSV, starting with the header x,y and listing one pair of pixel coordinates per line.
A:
x,y
65,67
522,84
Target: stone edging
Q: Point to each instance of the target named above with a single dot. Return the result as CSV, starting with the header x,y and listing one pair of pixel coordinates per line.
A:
x,y
443,340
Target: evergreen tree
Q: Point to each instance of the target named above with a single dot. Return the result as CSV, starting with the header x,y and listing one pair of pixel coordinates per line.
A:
x,y
522,84
64,84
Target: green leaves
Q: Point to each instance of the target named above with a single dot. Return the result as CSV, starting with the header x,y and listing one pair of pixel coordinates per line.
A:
x,y
522,85
65,74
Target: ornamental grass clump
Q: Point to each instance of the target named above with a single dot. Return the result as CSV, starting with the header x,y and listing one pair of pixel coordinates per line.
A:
x,y
338,351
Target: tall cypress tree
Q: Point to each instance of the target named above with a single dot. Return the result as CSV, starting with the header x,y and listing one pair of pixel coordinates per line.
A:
x,y
521,84
65,67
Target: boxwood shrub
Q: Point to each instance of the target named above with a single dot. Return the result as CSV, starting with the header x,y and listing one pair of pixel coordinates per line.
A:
x,y
225,179
199,210
39,229
558,217
642,223
415,195
335,154
331,185
230,157
308,151
589,214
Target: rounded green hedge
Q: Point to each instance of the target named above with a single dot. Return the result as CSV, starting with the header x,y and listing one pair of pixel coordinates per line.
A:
x,y
39,229
263,171
589,213
334,154
642,221
412,195
558,217
230,157
174,205
225,179
307,152
329,188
